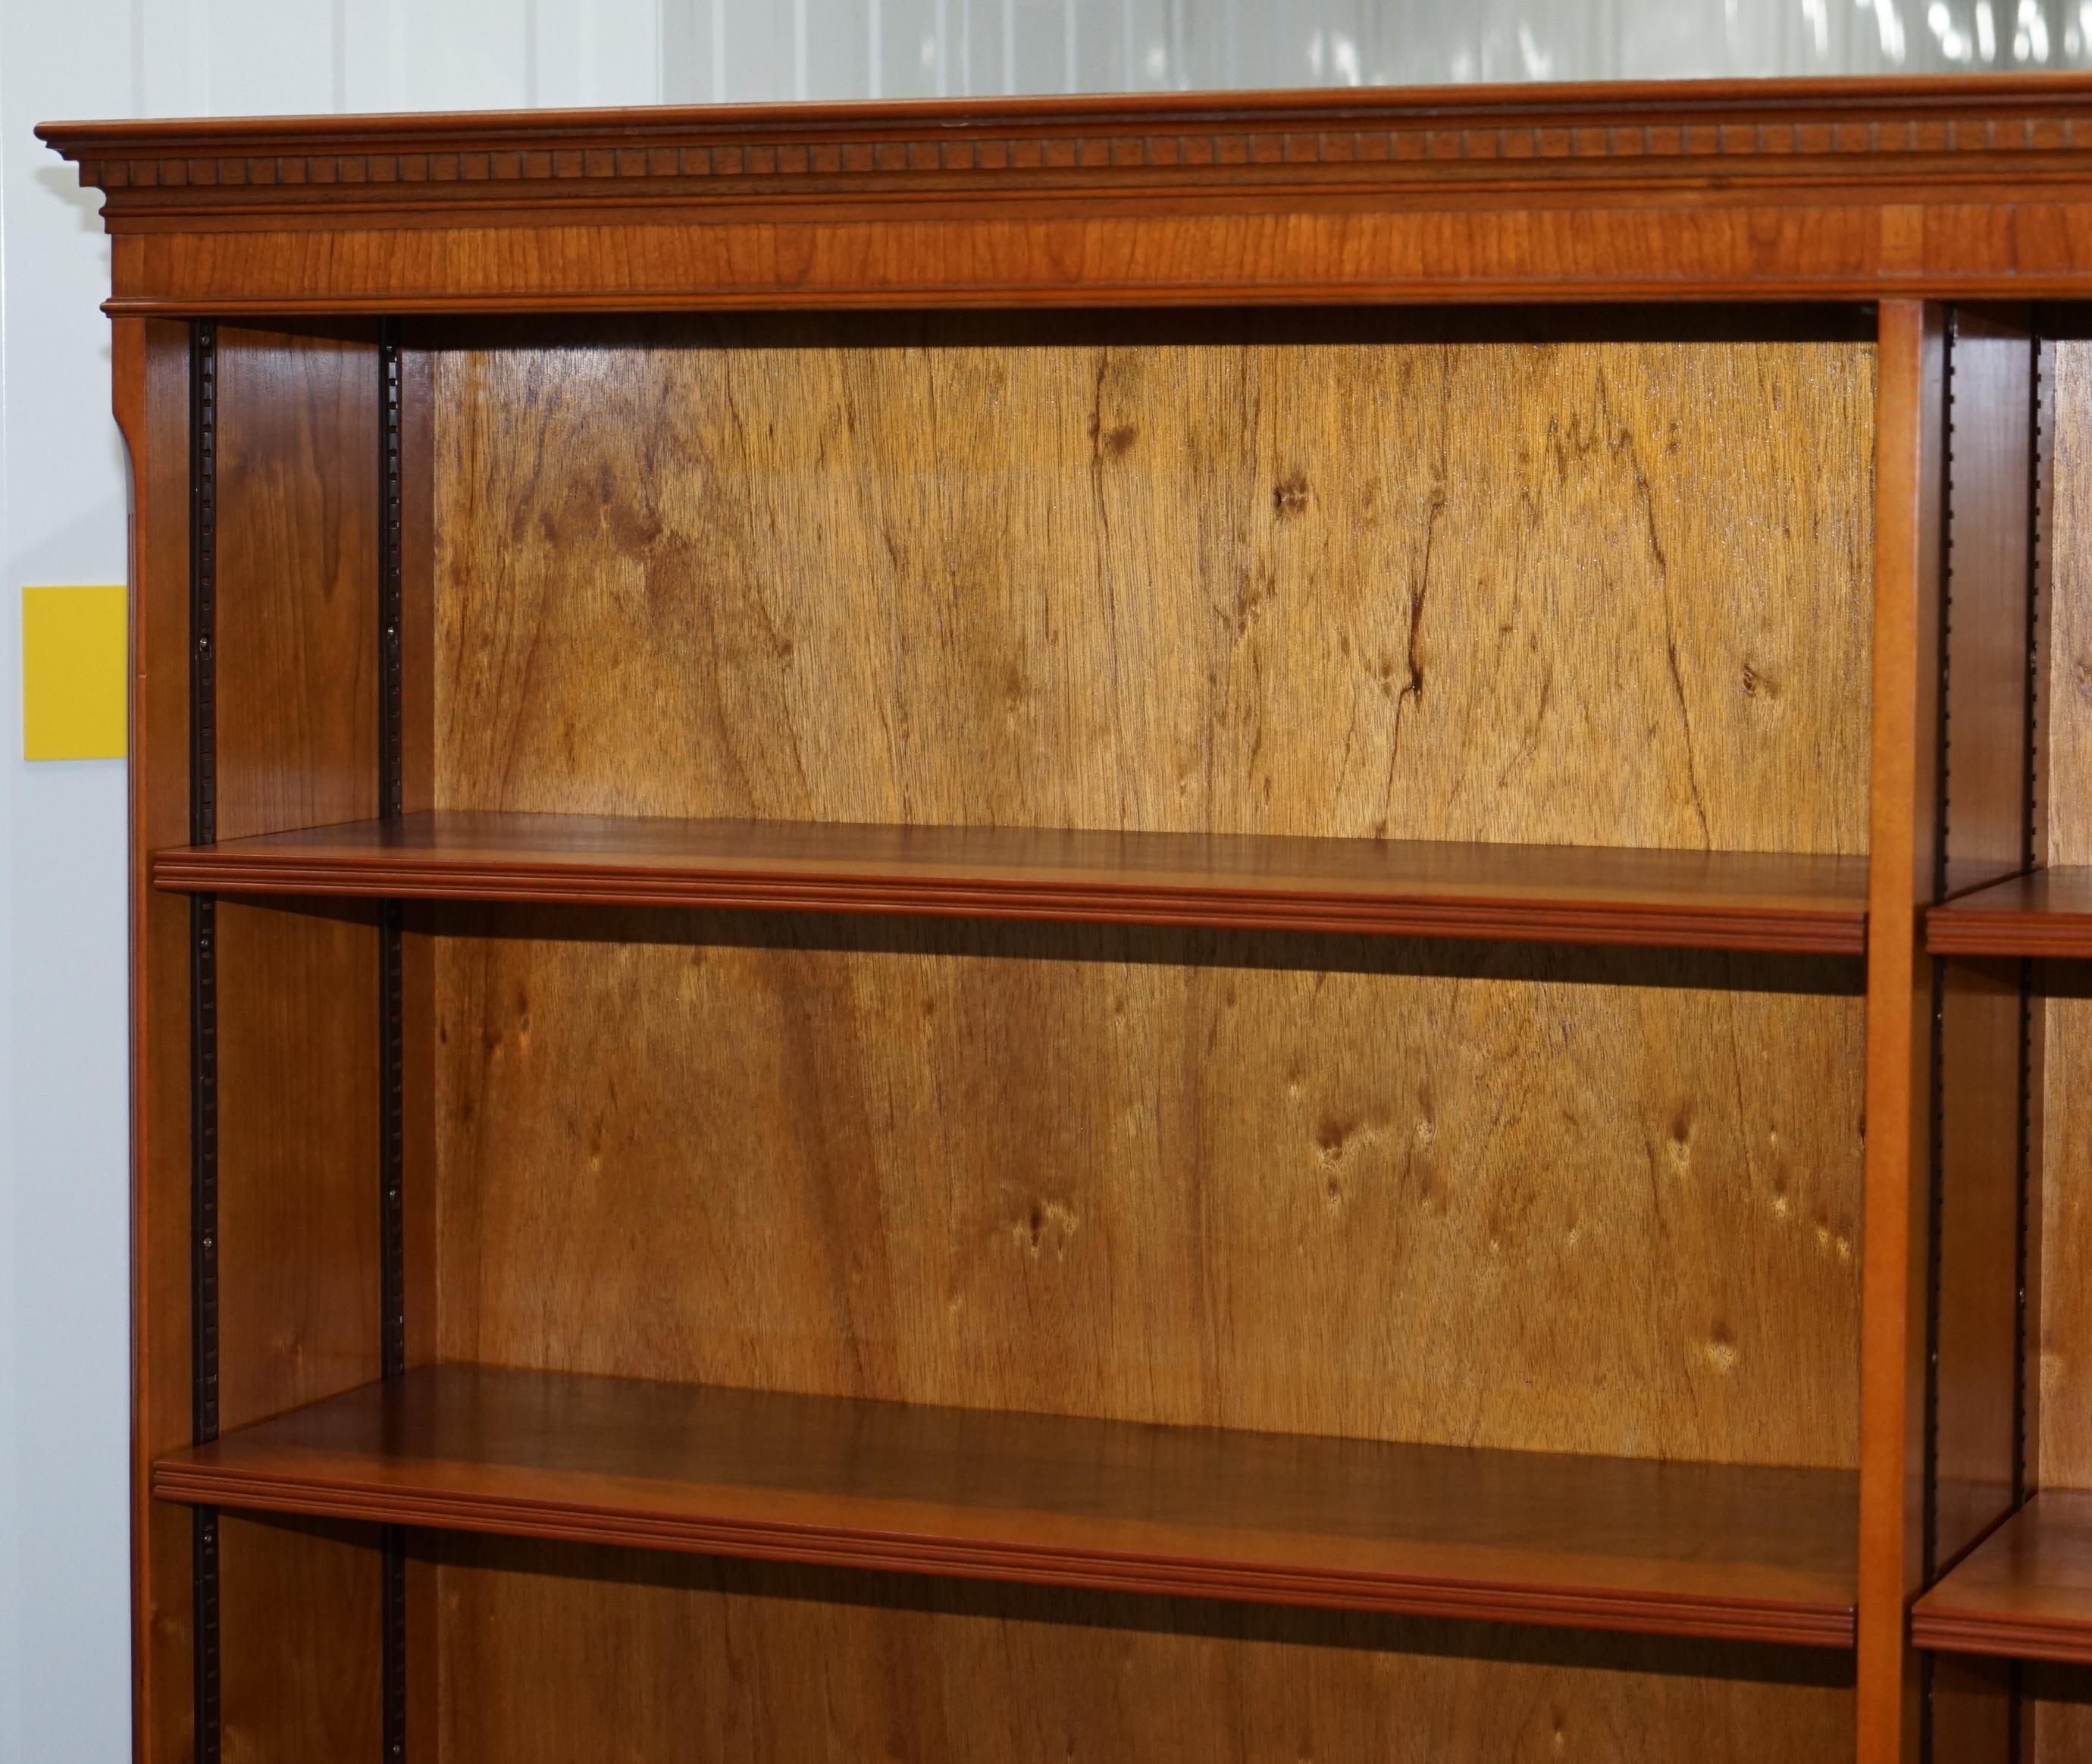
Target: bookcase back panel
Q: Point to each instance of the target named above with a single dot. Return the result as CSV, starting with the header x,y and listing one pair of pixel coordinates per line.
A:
x,y
1486,1194
294,582
294,704
298,1308
1287,578
296,577
703,1660
2060,1716
2066,1345
301,1626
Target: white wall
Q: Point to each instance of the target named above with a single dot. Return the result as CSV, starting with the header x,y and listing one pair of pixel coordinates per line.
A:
x,y
64,1636
62,1386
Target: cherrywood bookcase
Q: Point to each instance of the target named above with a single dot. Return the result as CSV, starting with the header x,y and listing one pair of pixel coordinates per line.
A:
x,y
1175,928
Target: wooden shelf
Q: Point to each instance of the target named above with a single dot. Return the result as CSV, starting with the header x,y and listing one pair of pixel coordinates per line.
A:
x,y
1539,893
2025,1591
1748,1554
2046,912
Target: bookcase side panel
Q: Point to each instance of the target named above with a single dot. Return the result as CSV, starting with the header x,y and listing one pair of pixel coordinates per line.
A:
x,y
151,361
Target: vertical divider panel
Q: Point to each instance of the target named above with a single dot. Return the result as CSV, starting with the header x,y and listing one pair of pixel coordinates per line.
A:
x,y
417,1685
1910,442
1950,1058
203,1021
151,396
391,1127
2033,1009
2041,635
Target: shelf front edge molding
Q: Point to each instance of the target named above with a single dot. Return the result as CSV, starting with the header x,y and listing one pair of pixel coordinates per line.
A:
x,y
1769,902
2045,913
1717,189
2024,1593
1426,1531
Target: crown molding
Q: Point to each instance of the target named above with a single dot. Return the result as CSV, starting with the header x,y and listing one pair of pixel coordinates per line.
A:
x,y
1884,141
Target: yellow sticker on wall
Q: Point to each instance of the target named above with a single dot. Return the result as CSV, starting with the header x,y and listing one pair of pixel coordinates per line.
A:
x,y
73,651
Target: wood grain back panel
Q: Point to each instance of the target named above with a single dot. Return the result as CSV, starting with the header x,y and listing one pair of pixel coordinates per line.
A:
x,y
2066,1327
2060,1714
1475,1194
296,577
1283,577
2070,646
1288,577
298,1301
2061,1719
296,703
301,1640
706,1661
1974,1144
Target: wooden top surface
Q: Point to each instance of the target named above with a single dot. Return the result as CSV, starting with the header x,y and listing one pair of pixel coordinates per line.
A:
x,y
2025,1590
2046,912
1759,189
1576,894
1706,1550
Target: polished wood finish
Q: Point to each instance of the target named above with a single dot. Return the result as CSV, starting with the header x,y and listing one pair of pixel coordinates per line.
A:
x,y
152,392
295,731
2047,912
1910,439
1852,189
2064,1336
1124,1210
302,1640
2059,1707
731,1661
1276,1185
1294,575
2025,1591
1756,1554
1412,888
1991,724
296,570
1235,598
1202,588
1983,1412
295,728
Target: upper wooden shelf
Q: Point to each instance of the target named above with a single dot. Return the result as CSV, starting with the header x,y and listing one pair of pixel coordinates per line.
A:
x,y
2046,912
2025,1591
1748,1554
1541,893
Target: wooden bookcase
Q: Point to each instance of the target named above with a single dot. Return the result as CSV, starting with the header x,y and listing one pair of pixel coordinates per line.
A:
x,y
1175,928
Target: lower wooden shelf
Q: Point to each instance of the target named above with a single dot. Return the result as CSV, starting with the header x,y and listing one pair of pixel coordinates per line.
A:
x,y
1738,1552
2025,1591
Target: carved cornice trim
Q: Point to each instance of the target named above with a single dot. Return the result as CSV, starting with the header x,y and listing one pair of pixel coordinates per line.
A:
x,y
1883,140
